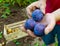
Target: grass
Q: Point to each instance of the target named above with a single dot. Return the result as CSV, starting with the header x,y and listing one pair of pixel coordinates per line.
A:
x,y
55,44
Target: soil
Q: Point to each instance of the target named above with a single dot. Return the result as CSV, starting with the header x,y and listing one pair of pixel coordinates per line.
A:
x,y
17,14
26,41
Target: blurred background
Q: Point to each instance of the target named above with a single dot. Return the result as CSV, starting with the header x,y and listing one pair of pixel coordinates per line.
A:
x,y
13,11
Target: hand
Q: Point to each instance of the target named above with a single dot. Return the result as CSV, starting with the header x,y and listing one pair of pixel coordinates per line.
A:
x,y
50,18
31,33
47,30
42,5
31,8
28,31
23,29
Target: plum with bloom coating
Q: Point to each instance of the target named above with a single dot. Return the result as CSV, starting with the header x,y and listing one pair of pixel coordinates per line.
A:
x,y
29,24
39,29
37,15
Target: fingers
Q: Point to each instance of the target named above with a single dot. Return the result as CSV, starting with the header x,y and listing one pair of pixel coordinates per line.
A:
x,y
46,30
31,8
28,31
40,38
42,5
51,25
28,10
23,29
49,28
31,33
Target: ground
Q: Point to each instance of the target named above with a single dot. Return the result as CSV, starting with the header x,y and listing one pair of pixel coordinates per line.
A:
x,y
17,14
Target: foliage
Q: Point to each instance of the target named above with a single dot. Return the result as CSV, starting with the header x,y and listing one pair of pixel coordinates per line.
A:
x,y
1,35
6,10
16,42
5,4
19,2
24,2
6,13
36,44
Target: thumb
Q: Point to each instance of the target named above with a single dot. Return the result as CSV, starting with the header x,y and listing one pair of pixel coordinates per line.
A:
x,y
31,33
49,28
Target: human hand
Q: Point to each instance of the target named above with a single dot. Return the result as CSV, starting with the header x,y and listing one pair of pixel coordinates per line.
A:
x,y
30,33
31,8
51,23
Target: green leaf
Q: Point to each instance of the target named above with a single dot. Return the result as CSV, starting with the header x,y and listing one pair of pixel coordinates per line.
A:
x,y
56,43
19,2
4,16
0,36
13,2
6,5
1,1
0,33
43,44
7,0
7,11
17,43
36,44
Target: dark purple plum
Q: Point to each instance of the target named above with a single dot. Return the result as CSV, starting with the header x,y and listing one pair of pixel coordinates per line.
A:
x,y
37,15
30,24
39,29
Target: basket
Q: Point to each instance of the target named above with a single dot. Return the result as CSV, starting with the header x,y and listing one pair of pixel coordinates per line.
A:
x,y
15,31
